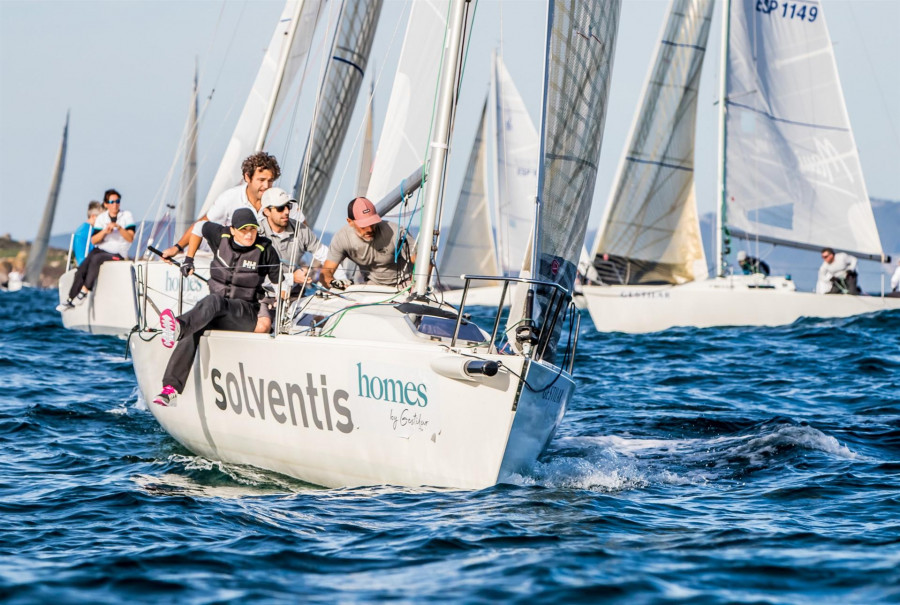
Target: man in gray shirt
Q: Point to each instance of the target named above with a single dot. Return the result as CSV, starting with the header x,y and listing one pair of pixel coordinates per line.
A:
x,y
383,251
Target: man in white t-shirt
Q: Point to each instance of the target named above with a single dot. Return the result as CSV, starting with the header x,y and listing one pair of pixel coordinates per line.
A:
x,y
260,171
837,275
112,234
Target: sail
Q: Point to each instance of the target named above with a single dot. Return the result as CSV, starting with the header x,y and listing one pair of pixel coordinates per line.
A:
x,y
188,203
792,171
517,145
285,56
580,45
365,156
38,252
404,139
337,93
651,229
469,245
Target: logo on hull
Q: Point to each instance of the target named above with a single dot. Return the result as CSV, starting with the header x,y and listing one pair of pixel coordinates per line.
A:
x,y
285,402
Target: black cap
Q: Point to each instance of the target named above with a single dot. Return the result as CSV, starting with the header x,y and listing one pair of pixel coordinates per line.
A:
x,y
243,217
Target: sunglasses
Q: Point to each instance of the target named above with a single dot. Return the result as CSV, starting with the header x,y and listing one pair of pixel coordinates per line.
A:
x,y
280,208
114,202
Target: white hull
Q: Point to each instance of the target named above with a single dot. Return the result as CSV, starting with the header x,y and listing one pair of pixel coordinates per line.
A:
x,y
482,296
739,300
318,409
112,308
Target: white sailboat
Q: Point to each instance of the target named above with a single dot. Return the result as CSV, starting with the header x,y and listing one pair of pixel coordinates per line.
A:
x,y
789,175
38,252
371,386
481,241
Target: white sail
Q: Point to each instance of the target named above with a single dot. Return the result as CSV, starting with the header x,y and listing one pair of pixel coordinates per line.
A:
x,y
404,140
38,252
337,98
187,205
367,152
284,56
580,44
792,171
651,228
517,145
469,245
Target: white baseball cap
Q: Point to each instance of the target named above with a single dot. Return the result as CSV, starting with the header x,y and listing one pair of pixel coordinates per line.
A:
x,y
276,196
741,256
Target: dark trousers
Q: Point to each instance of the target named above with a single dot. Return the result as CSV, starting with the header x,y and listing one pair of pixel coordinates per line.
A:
x,y
212,312
89,269
848,285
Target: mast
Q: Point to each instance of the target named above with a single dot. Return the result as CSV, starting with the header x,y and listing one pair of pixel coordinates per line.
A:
x,y
38,252
439,147
722,240
536,230
493,162
188,202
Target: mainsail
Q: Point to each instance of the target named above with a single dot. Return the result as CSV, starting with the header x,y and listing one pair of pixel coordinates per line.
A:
x,y
38,252
188,203
651,230
580,48
791,169
404,141
337,93
284,57
469,247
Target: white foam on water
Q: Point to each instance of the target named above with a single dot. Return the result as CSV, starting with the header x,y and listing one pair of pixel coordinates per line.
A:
x,y
756,449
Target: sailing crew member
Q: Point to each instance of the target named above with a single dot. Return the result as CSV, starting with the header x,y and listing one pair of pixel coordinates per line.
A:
x,y
384,252
81,239
837,275
113,232
277,207
260,170
242,260
895,281
750,264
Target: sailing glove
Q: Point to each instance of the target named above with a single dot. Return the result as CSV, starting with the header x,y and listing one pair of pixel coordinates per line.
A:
x,y
187,266
340,284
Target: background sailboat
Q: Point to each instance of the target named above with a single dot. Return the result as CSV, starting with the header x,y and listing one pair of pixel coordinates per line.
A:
x,y
482,240
789,175
38,252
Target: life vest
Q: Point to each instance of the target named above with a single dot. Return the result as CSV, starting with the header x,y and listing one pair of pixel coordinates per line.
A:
x,y
234,274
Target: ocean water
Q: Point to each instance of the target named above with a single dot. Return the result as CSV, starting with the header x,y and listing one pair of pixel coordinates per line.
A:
x,y
703,466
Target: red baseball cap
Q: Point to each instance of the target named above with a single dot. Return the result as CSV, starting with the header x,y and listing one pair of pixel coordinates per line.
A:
x,y
364,213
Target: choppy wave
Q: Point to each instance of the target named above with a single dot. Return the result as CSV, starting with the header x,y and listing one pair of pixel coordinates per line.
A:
x,y
731,465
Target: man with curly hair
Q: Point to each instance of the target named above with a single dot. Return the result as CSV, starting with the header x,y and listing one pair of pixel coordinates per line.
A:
x,y
260,171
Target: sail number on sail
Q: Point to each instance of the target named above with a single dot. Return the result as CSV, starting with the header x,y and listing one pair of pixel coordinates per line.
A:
x,y
788,10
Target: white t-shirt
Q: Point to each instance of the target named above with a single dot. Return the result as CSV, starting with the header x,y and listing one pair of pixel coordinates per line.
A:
x,y
223,208
114,242
838,267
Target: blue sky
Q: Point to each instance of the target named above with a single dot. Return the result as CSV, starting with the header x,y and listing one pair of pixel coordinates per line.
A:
x,y
125,71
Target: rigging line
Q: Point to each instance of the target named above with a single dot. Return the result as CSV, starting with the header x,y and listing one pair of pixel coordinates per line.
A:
x,y
361,127
316,108
881,94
